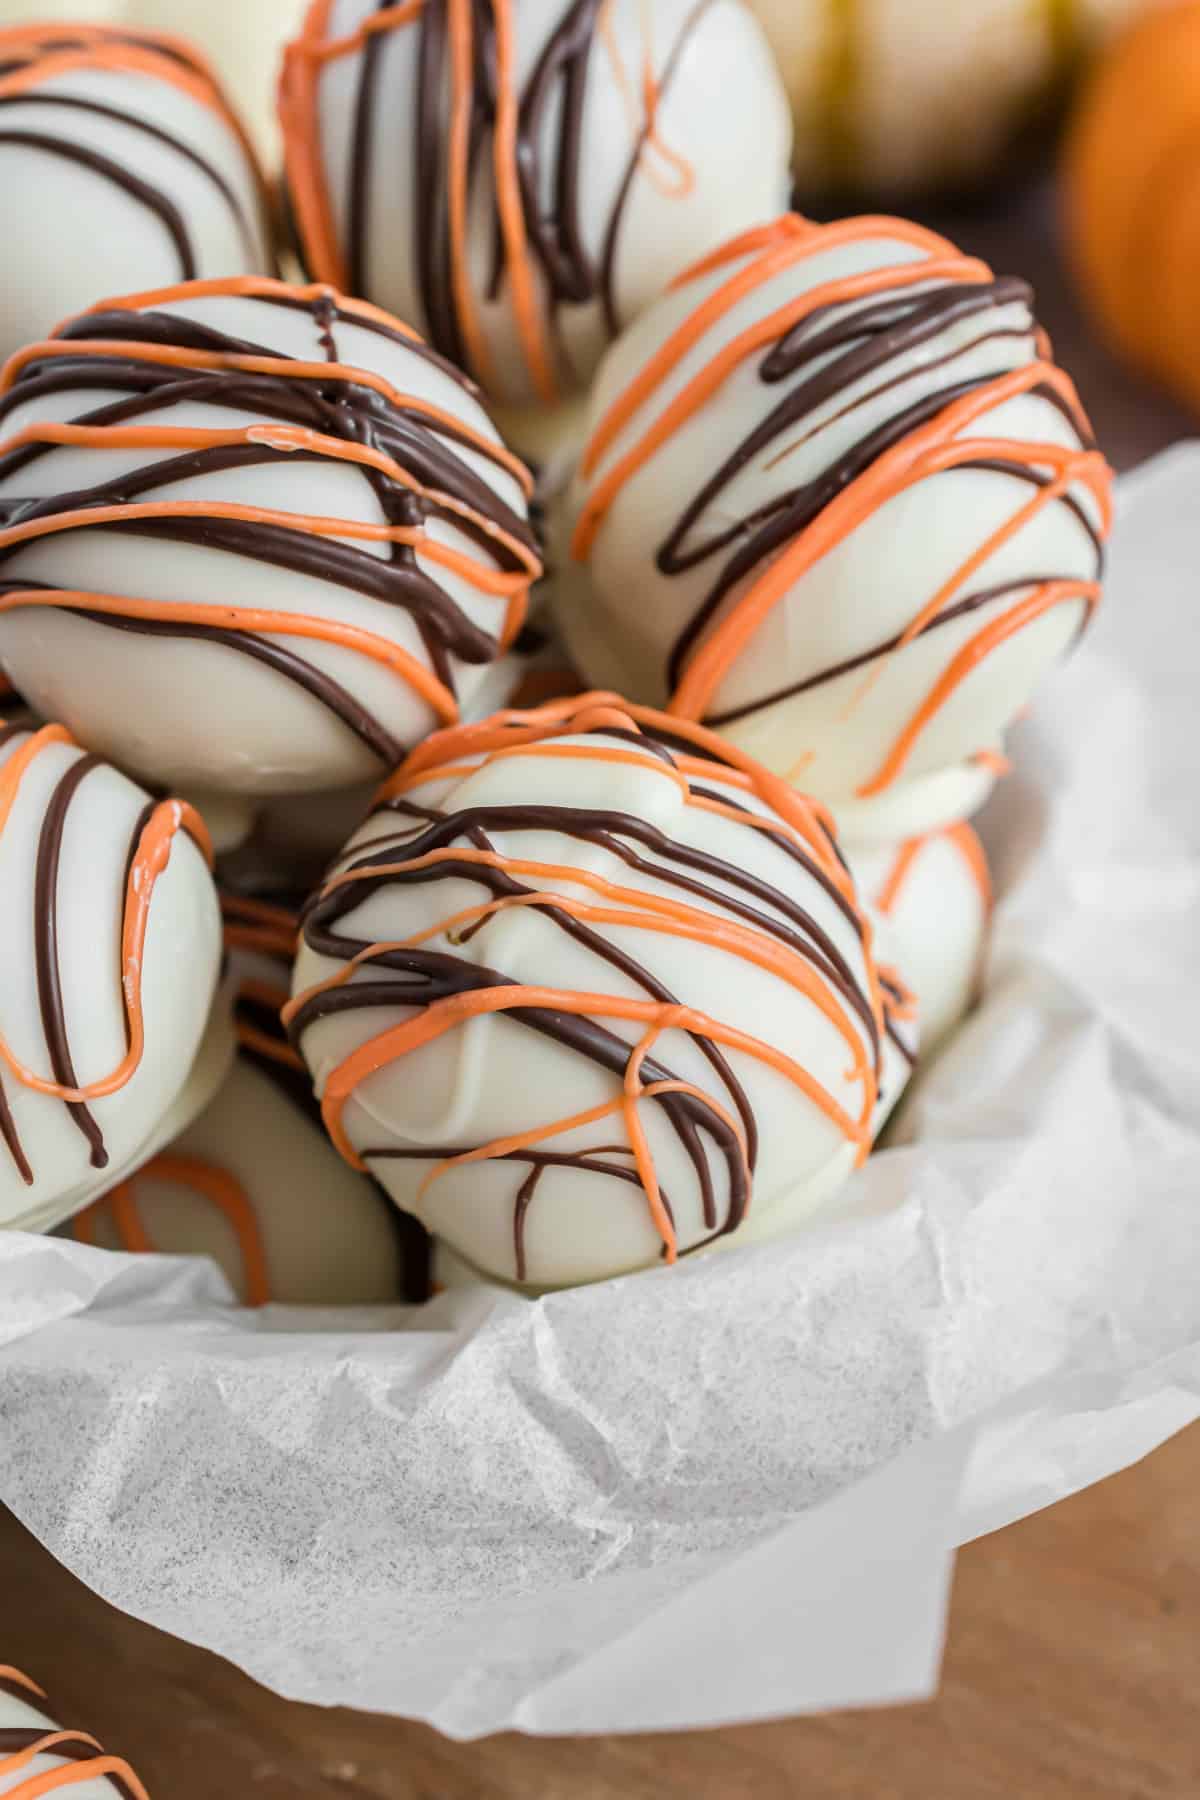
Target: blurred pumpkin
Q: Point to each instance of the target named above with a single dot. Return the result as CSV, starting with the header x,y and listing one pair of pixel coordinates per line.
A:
x,y
1131,178
896,96
244,42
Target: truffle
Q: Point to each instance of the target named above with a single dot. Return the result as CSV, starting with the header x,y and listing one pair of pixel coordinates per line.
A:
x,y
121,165
108,964
838,504
255,538
520,179
589,989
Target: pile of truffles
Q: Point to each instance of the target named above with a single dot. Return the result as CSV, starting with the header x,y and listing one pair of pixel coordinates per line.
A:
x,y
420,867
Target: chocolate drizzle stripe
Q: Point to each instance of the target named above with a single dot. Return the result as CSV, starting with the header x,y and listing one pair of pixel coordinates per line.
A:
x,y
146,128
548,158
273,655
49,978
958,609
148,196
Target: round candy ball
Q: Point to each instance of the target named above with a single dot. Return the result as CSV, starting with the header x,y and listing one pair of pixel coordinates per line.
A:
x,y
108,964
898,96
37,1756
838,504
254,1182
121,165
1131,177
519,177
588,990
255,538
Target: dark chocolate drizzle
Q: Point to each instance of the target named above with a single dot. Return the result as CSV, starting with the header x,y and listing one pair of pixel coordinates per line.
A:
x,y
422,976
549,163
832,350
49,979
154,199
342,409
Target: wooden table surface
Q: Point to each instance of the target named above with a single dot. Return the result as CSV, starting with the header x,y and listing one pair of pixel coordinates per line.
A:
x,y
1073,1665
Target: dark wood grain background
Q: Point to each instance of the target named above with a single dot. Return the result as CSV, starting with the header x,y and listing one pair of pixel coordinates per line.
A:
x,y
1073,1665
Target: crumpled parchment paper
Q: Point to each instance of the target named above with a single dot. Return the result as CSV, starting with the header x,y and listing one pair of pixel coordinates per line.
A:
x,y
733,1489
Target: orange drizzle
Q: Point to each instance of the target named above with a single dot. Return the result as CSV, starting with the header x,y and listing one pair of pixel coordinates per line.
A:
x,y
967,843
763,254
223,1191
534,338
969,848
455,753
898,874
248,618
151,857
7,1672
71,1774
258,925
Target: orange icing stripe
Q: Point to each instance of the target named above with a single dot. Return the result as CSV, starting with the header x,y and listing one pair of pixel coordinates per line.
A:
x,y
299,115
512,217
252,924
717,760
247,618
967,843
218,1186
7,1672
153,853
1049,595
898,874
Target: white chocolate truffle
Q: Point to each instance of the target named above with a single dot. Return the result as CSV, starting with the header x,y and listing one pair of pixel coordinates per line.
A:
x,y
521,177
590,989
256,538
895,96
836,504
108,965
37,1755
935,893
255,1183
121,165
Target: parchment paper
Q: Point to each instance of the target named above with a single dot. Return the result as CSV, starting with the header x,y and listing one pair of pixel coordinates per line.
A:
x,y
733,1489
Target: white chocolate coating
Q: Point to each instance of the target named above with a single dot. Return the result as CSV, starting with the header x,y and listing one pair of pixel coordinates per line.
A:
x,y
74,231
489,1078
892,96
935,895
63,1769
198,711
325,1233
927,600
179,969
654,179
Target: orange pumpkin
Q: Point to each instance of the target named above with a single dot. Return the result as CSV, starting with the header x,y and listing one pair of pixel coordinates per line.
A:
x,y
1132,193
